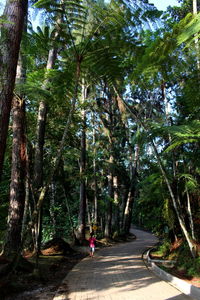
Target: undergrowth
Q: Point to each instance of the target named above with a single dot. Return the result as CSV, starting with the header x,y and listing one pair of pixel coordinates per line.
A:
x,y
185,265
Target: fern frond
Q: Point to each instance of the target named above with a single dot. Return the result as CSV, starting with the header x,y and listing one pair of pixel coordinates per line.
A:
x,y
184,134
191,31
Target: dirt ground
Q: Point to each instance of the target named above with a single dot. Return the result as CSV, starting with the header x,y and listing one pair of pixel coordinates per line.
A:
x,y
43,283
57,259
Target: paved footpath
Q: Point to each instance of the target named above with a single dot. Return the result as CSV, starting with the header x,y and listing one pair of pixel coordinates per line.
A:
x,y
117,273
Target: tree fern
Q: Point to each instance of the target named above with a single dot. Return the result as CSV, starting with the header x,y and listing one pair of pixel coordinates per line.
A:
x,y
190,31
184,134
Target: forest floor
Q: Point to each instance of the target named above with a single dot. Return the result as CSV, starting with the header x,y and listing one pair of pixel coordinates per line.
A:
x,y
43,283
53,268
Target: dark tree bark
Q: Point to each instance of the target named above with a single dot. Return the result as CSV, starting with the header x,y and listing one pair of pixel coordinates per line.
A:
x,y
11,33
17,186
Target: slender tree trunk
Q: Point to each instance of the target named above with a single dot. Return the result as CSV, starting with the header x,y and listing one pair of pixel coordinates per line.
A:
x,y
82,208
38,170
95,173
108,222
39,148
11,33
66,192
130,198
51,209
116,204
133,170
189,209
58,158
38,161
195,7
168,123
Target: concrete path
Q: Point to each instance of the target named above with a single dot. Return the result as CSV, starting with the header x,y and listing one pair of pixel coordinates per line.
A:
x,y
117,273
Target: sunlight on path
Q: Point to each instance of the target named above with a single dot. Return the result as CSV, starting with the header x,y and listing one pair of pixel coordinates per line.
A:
x,y
117,273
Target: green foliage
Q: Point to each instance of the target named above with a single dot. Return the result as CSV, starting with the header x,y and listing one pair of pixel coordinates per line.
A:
x,y
184,134
163,249
107,48
168,214
148,208
187,264
191,30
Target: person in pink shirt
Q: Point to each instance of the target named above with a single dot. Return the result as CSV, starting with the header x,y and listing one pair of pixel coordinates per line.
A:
x,y
92,241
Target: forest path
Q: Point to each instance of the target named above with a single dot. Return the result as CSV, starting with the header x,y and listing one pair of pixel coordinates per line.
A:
x,y
117,273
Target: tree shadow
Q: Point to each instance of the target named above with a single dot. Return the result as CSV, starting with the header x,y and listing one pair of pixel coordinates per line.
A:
x,y
118,270
179,297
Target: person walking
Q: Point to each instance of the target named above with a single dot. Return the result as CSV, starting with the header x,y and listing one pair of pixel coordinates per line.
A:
x,y
92,241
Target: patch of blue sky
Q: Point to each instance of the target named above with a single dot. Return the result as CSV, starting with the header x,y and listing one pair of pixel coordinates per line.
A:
x,y
163,4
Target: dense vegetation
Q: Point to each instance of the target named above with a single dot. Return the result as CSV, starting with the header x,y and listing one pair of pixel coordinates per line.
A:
x,y
104,125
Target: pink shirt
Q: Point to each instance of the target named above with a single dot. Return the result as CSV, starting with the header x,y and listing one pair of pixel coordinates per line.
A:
x,y
92,242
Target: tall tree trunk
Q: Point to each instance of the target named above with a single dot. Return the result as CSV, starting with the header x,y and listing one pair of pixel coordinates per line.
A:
x,y
58,158
39,148
38,169
66,192
108,221
17,186
116,204
95,173
189,210
16,216
11,33
82,208
52,211
131,192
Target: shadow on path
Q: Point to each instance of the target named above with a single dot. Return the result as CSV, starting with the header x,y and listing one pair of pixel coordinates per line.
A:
x,y
119,273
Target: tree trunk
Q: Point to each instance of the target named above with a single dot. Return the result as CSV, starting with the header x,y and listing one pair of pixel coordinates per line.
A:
x,y
58,158
108,221
116,205
11,33
195,10
16,215
65,189
39,148
128,210
17,186
189,210
95,173
52,211
131,193
38,161
82,208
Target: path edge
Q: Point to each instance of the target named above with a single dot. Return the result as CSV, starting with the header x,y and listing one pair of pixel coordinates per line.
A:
x,y
183,286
